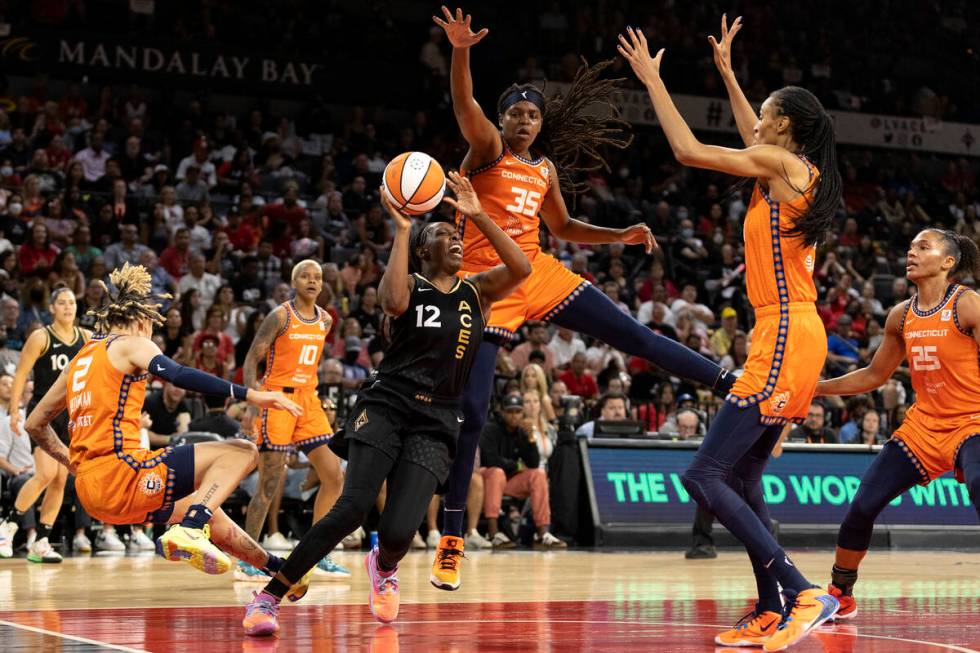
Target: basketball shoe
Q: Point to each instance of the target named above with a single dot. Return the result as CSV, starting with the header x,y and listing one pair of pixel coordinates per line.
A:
x,y
261,615
194,546
848,606
7,531
446,567
247,573
383,598
327,569
753,632
808,610
42,551
80,543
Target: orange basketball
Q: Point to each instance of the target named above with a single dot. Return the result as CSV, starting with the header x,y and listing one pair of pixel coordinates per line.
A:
x,y
414,182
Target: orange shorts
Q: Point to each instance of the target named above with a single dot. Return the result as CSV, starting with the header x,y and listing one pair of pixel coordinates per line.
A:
x,y
549,288
138,488
933,444
280,430
788,351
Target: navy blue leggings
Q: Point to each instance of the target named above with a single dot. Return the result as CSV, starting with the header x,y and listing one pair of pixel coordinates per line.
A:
x,y
890,474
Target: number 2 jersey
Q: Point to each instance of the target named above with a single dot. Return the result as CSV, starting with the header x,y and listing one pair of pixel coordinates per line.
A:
x,y
434,342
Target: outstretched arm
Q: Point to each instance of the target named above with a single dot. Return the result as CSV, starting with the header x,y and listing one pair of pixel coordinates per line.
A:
x,y
395,288
743,112
38,423
886,360
479,132
496,283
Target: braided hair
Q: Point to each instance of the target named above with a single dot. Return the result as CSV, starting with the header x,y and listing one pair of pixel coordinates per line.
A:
x,y
132,300
572,135
964,250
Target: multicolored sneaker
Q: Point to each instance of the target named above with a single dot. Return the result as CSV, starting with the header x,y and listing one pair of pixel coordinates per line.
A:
x,y
327,569
804,613
383,598
42,551
7,531
848,606
194,546
446,566
300,587
754,632
261,615
248,573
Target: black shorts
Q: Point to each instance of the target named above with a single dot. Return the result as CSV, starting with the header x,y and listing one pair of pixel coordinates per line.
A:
x,y
59,424
403,428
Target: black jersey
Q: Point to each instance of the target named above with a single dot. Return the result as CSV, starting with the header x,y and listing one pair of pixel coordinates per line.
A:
x,y
434,342
54,359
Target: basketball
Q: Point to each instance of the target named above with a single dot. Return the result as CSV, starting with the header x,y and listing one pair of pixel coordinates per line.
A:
x,y
414,182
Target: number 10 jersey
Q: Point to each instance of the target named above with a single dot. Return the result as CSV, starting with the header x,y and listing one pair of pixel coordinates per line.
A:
x,y
295,353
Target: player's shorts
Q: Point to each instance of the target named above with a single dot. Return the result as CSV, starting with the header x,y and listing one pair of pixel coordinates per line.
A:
x,y
789,347
141,487
389,417
59,424
280,430
550,288
933,444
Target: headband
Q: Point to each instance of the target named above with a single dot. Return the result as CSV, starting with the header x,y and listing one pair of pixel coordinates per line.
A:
x,y
526,95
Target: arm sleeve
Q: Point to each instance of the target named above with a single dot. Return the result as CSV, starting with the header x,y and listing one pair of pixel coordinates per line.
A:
x,y
194,380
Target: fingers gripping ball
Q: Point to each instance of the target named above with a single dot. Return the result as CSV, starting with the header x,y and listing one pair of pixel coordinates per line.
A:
x,y
414,182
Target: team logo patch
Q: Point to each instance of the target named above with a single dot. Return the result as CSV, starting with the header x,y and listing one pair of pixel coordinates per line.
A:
x,y
151,484
946,316
779,402
361,420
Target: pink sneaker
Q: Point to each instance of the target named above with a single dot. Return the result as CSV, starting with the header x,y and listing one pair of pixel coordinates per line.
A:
x,y
262,615
384,589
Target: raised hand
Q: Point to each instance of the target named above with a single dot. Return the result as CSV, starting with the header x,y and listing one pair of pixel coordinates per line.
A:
x,y
466,201
402,221
636,51
723,49
458,29
639,234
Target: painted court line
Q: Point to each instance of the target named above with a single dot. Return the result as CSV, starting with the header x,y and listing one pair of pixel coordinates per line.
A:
x,y
83,640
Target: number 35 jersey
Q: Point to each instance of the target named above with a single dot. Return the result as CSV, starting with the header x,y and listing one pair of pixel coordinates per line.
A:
x,y
434,342
295,353
511,190
943,360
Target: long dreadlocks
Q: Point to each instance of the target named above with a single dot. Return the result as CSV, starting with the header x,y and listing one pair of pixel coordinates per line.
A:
x,y
131,301
573,133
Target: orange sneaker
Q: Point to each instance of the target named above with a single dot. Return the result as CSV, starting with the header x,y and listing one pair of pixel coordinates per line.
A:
x,y
383,598
848,606
753,632
261,615
446,566
807,611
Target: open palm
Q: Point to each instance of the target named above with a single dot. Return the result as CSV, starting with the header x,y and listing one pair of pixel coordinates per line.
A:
x,y
722,50
458,28
636,51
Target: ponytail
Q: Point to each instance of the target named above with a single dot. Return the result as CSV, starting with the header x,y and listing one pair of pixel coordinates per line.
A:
x,y
964,250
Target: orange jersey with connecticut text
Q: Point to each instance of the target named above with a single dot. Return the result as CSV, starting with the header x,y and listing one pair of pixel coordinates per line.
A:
x,y
104,405
778,268
943,360
295,353
511,190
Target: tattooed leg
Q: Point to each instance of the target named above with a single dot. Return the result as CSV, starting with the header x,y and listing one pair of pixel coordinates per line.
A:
x,y
218,469
272,468
230,538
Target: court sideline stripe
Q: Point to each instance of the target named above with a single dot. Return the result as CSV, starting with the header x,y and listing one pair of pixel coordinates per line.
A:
x,y
83,640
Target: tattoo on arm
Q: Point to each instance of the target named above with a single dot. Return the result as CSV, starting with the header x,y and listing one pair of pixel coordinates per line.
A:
x,y
47,439
266,335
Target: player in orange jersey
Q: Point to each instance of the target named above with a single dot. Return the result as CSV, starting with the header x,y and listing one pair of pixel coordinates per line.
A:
x,y
117,481
791,151
290,340
518,165
938,332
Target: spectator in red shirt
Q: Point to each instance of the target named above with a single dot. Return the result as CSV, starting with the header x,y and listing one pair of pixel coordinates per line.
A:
x,y
174,258
577,380
37,255
285,215
214,326
243,237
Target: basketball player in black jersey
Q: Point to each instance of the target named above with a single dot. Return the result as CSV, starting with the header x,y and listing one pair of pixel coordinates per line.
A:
x,y
46,352
404,425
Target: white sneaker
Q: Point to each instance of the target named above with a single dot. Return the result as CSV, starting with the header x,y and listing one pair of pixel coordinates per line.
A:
x,y
80,543
140,541
353,541
432,539
417,541
276,542
500,541
7,531
31,538
474,541
107,540
548,541
42,551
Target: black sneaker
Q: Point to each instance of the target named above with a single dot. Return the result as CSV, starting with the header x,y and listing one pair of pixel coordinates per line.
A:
x,y
701,552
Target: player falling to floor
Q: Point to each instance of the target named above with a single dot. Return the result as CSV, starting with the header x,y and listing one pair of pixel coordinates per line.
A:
x,y
290,340
518,166
405,424
790,150
938,332
117,481
46,352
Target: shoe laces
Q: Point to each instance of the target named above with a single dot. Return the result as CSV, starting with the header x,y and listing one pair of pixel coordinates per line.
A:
x,y
263,605
449,558
387,584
